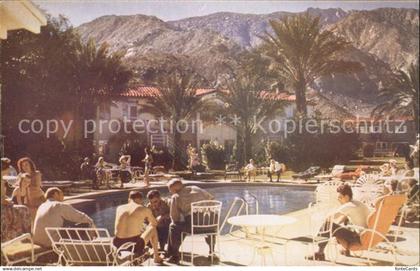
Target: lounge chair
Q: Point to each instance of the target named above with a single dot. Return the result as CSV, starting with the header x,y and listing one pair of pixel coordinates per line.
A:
x,y
379,223
21,249
335,171
307,174
90,246
233,170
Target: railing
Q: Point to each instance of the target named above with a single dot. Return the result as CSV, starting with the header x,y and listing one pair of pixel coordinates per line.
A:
x,y
243,203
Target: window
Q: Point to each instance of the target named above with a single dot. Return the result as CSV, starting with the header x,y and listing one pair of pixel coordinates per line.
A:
x,y
104,111
133,112
124,110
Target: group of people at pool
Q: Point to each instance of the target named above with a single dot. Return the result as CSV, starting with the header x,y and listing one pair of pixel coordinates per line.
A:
x,y
158,224
100,173
356,213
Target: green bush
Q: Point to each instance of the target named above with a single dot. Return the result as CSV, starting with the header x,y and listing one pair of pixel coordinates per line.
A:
x,y
368,150
302,150
215,155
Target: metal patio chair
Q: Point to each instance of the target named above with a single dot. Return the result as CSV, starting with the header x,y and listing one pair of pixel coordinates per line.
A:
x,y
90,246
22,249
205,221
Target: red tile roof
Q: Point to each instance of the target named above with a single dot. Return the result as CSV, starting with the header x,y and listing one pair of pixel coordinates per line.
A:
x,y
142,92
282,96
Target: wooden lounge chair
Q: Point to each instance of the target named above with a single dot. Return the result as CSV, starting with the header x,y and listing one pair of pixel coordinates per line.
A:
x,y
233,170
379,223
21,250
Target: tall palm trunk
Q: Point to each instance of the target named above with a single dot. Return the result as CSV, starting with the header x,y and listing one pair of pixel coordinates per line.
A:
x,y
300,93
239,148
176,162
247,143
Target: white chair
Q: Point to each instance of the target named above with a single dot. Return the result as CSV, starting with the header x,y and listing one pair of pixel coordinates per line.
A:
x,y
90,246
205,221
367,193
22,249
326,194
367,179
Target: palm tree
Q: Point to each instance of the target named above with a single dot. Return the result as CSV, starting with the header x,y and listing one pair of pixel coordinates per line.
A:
x,y
401,96
302,52
98,74
177,100
248,100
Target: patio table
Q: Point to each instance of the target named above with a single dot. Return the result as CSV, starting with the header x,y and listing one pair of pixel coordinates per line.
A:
x,y
261,223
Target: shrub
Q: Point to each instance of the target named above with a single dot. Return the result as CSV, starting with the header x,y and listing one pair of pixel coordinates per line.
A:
x,y
302,150
368,150
215,155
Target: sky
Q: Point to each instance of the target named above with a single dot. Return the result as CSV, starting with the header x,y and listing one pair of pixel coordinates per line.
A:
x,y
82,11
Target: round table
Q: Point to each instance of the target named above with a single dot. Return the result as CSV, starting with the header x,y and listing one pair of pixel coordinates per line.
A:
x,y
261,223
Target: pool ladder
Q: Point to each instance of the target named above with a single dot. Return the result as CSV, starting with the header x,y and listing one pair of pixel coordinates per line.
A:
x,y
243,203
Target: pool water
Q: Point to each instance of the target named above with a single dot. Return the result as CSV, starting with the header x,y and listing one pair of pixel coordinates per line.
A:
x,y
272,200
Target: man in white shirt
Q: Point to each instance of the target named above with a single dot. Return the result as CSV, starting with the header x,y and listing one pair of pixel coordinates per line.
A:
x,y
275,168
53,213
352,211
180,213
250,170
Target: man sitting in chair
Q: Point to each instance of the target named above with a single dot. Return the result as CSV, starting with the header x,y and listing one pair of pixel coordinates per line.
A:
x,y
129,226
180,213
54,213
350,210
160,209
250,170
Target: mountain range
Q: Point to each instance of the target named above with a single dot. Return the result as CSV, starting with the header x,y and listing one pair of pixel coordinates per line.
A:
x,y
382,40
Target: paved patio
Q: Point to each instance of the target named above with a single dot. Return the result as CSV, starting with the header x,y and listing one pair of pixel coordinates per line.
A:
x,y
288,245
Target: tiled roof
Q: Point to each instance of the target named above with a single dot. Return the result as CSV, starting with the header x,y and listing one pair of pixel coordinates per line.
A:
x,y
142,92
282,96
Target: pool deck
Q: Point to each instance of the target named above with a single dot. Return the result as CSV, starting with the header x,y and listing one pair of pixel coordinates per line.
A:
x,y
238,250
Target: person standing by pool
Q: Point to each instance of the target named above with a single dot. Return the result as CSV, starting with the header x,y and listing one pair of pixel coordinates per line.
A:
x,y
125,174
148,160
54,213
35,194
129,225
160,209
102,175
180,213
274,168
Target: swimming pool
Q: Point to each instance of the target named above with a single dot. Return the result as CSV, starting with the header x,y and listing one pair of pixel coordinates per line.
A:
x,y
272,200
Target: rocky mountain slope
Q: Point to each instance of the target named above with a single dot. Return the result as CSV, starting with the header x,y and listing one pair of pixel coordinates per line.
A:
x,y
382,39
244,29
